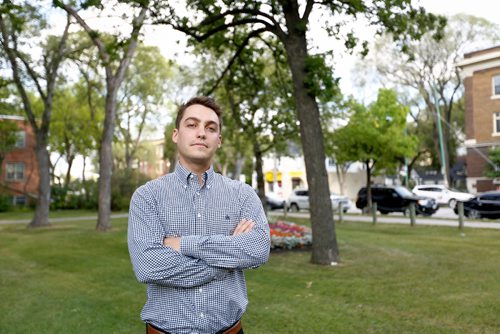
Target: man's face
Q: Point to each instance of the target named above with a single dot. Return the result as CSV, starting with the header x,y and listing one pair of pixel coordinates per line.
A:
x,y
197,137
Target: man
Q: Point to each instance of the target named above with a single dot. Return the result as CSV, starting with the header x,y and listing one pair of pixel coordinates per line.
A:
x,y
192,232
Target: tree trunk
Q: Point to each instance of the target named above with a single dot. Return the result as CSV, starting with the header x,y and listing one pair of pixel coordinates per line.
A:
x,y
67,179
368,186
261,190
238,166
106,160
41,217
445,166
325,248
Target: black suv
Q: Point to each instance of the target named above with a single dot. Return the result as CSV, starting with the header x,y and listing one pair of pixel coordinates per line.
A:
x,y
396,199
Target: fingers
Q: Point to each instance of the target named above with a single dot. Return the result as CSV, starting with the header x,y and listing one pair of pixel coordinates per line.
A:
x,y
172,242
244,226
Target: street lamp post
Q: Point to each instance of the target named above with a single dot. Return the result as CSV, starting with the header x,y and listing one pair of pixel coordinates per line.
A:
x,y
440,135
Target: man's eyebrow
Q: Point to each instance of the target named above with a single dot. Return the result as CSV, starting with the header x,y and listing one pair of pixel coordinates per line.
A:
x,y
192,118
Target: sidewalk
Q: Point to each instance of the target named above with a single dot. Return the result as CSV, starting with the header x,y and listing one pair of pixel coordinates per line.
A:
x,y
347,217
62,219
419,220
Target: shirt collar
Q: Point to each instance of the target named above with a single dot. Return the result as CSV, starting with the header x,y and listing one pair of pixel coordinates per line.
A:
x,y
185,175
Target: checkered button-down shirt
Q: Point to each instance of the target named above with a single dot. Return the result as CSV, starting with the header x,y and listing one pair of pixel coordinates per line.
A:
x,y
200,289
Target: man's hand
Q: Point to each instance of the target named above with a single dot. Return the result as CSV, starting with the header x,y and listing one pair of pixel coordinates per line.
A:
x,y
173,242
245,226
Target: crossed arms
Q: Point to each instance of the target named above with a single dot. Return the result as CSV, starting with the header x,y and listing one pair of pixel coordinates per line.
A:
x,y
193,260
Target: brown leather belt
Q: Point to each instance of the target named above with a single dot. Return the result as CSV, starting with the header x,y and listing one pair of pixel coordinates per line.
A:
x,y
235,329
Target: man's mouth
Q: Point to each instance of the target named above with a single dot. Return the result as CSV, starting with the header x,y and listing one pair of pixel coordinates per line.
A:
x,y
200,144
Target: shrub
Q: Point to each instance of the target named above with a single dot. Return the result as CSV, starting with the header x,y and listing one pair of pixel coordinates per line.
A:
x,y
123,184
5,203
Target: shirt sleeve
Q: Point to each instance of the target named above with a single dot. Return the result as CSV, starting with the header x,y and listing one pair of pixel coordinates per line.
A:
x,y
154,263
247,250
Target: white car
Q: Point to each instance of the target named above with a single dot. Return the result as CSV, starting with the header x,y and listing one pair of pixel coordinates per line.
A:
x,y
299,200
442,194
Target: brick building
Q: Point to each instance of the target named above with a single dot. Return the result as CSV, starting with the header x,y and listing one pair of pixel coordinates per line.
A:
x,y
19,176
481,73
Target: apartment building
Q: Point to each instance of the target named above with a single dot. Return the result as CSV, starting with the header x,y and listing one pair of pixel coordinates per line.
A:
x,y
19,176
481,75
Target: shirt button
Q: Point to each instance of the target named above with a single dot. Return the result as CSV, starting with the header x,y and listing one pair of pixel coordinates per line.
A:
x,y
197,193
199,215
201,289
202,315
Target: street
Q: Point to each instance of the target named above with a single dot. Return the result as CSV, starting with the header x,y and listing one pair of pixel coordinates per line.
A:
x,y
443,217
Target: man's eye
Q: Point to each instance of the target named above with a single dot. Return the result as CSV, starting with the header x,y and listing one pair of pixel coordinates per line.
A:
x,y
190,125
212,129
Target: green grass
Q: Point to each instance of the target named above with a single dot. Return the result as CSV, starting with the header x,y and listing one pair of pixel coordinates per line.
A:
x,y
392,279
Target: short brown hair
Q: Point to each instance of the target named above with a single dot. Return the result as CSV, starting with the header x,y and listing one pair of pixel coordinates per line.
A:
x,y
201,100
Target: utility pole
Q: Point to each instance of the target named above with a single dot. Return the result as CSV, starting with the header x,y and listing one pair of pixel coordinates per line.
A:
x,y
440,135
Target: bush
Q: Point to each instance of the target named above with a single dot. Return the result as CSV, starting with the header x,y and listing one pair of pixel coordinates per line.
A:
x,y
78,195
85,195
5,203
123,184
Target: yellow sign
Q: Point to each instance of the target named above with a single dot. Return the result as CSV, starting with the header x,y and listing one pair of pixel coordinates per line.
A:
x,y
296,173
269,176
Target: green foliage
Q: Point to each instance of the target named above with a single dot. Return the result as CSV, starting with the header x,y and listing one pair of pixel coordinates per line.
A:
x,y
74,128
5,203
169,148
493,171
259,111
146,87
77,195
8,137
123,184
319,78
375,134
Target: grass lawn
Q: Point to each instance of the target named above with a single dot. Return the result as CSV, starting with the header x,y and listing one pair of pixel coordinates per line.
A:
x,y
68,278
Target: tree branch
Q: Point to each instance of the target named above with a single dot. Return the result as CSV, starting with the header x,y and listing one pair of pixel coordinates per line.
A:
x,y
254,33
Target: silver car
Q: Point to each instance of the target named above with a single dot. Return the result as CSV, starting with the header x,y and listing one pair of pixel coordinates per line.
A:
x,y
299,200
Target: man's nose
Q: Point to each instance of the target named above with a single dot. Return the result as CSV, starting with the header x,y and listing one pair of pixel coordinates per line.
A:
x,y
201,132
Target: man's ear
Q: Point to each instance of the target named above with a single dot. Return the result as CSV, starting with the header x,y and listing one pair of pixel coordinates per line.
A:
x,y
220,141
174,136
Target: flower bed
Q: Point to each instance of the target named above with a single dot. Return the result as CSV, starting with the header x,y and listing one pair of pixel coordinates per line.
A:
x,y
287,235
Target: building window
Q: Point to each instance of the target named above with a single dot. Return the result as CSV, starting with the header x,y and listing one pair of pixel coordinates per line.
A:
x,y
19,200
20,139
496,124
15,171
496,85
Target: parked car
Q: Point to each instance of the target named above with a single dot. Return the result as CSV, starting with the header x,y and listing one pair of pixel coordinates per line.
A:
x,y
274,202
299,200
442,194
486,205
396,199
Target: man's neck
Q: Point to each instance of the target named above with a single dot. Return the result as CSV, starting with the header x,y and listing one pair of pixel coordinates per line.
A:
x,y
199,170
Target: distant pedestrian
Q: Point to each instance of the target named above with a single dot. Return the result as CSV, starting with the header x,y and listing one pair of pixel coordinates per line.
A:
x,y
192,233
